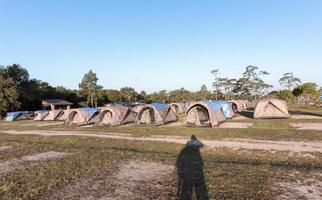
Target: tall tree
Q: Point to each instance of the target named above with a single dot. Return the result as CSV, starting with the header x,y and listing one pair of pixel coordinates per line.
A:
x,y
215,84
113,95
203,93
8,92
89,89
253,82
289,81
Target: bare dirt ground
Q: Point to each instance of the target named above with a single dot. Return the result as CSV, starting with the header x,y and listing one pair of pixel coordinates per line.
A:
x,y
29,161
297,187
235,125
50,124
307,126
241,117
233,143
5,148
131,180
304,117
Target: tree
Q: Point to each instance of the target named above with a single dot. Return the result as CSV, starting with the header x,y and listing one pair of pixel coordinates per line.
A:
x,y
289,81
252,81
89,89
180,95
215,84
307,90
128,94
227,86
8,92
113,95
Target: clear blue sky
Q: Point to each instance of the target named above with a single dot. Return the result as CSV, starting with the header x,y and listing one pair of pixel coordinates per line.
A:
x,y
161,44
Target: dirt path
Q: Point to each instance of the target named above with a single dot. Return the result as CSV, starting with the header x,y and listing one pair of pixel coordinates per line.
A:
x,y
129,180
307,126
305,117
29,161
234,143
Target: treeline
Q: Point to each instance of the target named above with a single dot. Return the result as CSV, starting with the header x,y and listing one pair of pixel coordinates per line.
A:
x,y
20,92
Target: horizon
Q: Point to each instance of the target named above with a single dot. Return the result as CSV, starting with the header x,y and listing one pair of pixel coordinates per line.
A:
x,y
158,45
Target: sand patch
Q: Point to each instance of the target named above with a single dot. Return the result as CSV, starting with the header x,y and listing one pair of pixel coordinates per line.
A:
x,y
235,125
174,124
307,126
5,148
233,143
305,117
50,124
29,161
298,188
131,180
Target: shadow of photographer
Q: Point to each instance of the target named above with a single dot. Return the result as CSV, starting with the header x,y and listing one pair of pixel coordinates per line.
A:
x,y
189,167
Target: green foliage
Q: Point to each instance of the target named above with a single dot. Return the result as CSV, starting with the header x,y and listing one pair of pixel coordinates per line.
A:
x,y
128,94
89,89
8,92
286,95
308,90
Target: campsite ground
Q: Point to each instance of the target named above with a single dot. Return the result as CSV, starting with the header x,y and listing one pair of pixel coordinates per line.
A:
x,y
272,159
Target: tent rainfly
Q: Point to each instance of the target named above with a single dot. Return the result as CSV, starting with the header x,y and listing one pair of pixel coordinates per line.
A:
x,y
115,116
53,115
18,115
40,115
178,107
227,109
204,113
81,116
238,105
156,114
270,109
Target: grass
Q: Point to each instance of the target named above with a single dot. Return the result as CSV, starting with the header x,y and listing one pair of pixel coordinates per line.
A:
x,y
229,174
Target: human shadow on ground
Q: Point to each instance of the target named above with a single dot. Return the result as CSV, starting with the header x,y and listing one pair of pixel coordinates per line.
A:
x,y
189,165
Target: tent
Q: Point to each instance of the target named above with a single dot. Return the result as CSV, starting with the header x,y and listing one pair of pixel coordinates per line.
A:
x,y
53,115
227,109
18,115
178,107
64,115
115,116
156,114
40,115
271,108
81,116
238,105
204,113
137,108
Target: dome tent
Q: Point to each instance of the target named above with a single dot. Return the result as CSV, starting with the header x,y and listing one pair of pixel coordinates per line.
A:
x,y
238,105
18,115
271,109
204,113
53,115
156,114
81,116
115,116
40,115
227,109
178,107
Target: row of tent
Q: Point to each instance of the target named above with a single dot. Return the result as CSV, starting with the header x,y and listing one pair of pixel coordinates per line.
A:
x,y
200,113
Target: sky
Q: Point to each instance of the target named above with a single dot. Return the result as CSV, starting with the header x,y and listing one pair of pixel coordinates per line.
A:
x,y
161,44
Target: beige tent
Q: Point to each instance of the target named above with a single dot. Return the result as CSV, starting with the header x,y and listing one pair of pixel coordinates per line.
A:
x,y
178,107
271,108
201,113
64,115
137,108
40,115
238,105
53,115
81,116
115,116
156,114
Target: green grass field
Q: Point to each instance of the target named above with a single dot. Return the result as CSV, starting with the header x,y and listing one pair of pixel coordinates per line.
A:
x,y
229,173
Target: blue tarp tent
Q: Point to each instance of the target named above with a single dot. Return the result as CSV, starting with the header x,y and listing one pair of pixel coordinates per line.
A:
x,y
160,106
90,111
224,105
11,116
